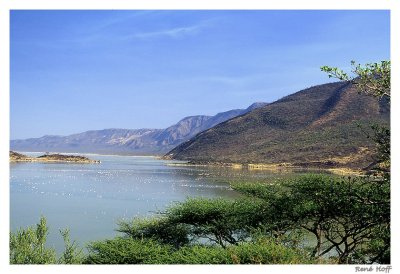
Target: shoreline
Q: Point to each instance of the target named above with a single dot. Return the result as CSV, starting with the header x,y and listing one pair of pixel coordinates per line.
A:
x,y
278,167
87,153
275,167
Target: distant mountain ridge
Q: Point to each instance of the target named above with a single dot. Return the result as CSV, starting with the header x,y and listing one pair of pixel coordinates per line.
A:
x,y
318,126
129,141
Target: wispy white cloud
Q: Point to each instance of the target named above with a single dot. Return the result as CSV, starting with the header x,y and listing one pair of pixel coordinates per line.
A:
x,y
176,32
102,33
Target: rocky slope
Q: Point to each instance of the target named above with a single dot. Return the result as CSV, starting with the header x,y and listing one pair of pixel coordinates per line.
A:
x,y
318,126
129,141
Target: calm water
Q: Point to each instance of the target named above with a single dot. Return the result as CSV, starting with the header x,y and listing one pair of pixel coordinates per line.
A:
x,y
89,199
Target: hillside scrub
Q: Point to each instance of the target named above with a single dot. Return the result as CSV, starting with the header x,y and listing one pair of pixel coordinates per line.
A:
x,y
317,126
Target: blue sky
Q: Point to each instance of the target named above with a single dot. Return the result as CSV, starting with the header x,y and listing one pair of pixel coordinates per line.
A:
x,y
73,71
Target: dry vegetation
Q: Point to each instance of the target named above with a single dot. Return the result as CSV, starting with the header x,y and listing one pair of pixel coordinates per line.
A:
x,y
319,127
51,158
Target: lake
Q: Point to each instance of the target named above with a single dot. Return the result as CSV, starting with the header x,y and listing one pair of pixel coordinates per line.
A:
x,y
89,199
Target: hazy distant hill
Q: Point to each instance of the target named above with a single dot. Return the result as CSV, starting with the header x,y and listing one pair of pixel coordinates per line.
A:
x,y
317,125
129,141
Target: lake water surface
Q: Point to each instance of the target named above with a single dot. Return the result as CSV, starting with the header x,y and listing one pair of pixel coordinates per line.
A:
x,y
89,199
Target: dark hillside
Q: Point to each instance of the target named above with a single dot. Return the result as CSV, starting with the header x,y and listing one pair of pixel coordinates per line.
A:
x,y
316,126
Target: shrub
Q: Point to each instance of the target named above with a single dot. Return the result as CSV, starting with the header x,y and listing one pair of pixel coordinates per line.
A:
x,y
127,251
72,253
27,246
131,251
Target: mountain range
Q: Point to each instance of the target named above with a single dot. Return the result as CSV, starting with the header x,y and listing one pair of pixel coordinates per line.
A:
x,y
324,125
129,141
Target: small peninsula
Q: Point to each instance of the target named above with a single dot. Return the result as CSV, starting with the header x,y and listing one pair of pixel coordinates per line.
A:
x,y
51,158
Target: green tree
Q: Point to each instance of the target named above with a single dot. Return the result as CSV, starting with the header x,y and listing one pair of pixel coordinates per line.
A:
x,y
27,246
72,253
219,221
160,229
371,78
338,212
374,79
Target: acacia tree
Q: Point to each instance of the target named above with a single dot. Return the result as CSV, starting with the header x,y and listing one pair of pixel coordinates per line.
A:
x,y
371,79
374,79
330,209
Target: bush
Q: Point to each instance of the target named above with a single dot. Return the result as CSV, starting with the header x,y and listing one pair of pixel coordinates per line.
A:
x,y
72,253
127,251
130,251
27,246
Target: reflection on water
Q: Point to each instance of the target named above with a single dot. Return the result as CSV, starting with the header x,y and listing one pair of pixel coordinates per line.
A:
x,y
90,198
